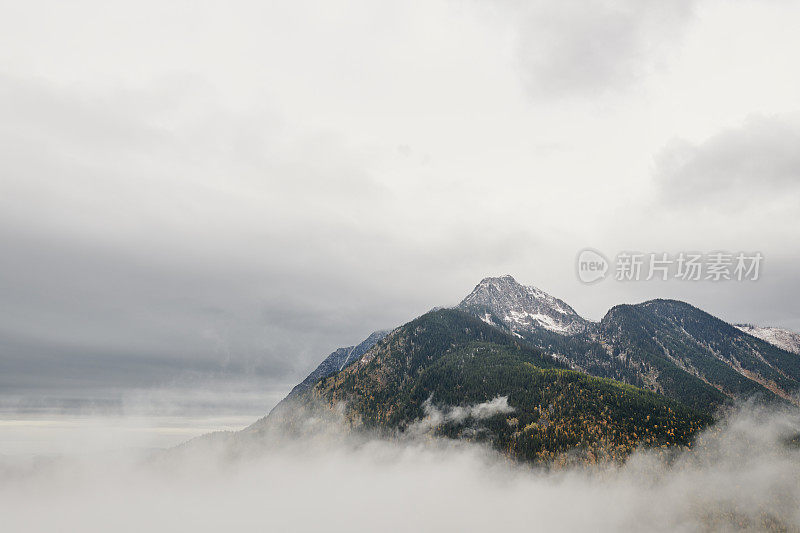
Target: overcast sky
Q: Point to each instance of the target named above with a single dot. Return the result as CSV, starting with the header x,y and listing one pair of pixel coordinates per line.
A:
x,y
238,188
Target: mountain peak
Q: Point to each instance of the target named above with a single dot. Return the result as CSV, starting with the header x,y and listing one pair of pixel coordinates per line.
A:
x,y
520,308
507,284
495,279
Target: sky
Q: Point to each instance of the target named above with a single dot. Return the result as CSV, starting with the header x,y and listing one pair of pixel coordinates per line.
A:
x,y
216,195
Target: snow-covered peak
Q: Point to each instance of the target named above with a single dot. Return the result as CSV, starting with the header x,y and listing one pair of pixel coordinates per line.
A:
x,y
521,308
782,338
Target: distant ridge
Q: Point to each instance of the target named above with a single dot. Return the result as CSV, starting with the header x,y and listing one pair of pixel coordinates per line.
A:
x,y
337,361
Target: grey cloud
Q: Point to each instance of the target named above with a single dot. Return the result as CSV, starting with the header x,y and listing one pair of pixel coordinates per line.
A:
x,y
751,164
119,246
571,48
172,198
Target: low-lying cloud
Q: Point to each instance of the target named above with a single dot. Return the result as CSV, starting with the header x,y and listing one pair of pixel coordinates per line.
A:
x,y
743,475
438,416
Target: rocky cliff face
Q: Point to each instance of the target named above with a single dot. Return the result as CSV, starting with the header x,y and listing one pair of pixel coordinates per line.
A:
x,y
504,302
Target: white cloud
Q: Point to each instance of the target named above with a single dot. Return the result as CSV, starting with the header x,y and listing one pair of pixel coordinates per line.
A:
x,y
740,473
436,416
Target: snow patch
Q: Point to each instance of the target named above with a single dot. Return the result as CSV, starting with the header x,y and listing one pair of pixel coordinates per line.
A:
x,y
782,338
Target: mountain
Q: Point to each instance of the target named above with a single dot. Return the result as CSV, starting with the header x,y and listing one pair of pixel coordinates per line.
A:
x,y
782,338
503,302
665,346
452,374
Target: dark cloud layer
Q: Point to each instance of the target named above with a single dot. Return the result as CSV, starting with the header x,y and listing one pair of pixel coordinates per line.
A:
x,y
750,164
123,246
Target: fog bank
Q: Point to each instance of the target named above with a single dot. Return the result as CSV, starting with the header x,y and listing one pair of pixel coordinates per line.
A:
x,y
743,475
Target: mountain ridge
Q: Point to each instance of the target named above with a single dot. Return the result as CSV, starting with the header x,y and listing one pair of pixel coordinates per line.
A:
x,y
450,358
